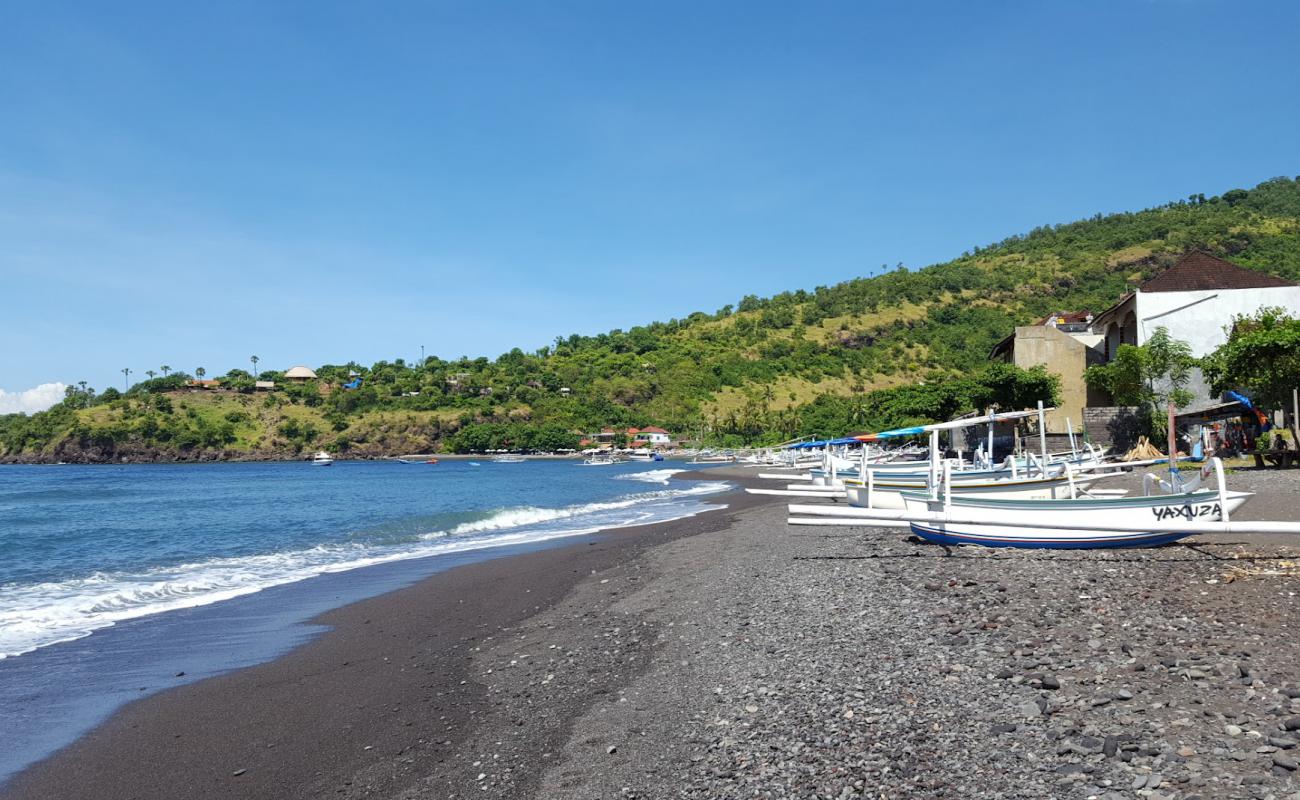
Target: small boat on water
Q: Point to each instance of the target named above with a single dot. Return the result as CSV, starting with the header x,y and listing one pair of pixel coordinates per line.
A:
x,y
508,459
644,455
322,459
599,460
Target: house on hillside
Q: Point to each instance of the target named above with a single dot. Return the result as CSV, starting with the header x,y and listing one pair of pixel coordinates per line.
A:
x,y
1066,344
299,374
1196,300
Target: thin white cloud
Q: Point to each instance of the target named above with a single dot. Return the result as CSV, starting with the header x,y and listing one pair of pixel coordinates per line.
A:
x,y
31,400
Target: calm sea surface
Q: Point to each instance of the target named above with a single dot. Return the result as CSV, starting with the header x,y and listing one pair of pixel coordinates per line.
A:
x,y
114,575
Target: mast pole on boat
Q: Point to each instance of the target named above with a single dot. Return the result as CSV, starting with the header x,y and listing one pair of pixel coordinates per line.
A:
x,y
1042,438
934,463
1173,445
989,412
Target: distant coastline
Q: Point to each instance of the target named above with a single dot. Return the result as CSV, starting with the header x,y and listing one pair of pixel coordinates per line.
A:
x,y
214,457
871,353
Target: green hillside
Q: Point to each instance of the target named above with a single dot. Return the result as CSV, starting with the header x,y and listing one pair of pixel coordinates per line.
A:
x,y
898,347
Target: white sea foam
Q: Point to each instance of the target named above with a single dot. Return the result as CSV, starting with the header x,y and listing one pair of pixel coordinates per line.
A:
x,y
651,476
37,615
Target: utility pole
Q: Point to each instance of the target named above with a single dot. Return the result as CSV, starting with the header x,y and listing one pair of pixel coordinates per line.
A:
x,y
1295,418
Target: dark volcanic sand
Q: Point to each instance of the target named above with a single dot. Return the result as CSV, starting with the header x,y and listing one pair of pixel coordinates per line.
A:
x,y
374,707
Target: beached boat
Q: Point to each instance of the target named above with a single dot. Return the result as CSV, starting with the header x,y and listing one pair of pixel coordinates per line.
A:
x,y
1083,522
889,493
945,515
322,459
1091,521
713,459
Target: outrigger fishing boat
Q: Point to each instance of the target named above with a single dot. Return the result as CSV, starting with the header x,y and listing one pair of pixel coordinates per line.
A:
x,y
945,515
877,483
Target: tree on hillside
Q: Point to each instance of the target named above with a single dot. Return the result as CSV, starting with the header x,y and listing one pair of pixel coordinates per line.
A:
x,y
79,396
1261,358
164,369
1149,376
126,374
254,359
199,372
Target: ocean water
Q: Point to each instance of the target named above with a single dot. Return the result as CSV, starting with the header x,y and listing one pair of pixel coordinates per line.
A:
x,y
111,576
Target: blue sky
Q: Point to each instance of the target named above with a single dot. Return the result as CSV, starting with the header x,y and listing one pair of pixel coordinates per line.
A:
x,y
190,184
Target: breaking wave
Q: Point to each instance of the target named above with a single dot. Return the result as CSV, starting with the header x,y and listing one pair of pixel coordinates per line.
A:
x,y
661,476
41,614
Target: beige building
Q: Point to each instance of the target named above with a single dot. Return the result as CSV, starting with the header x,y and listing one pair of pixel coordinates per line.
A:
x,y
1066,346
300,374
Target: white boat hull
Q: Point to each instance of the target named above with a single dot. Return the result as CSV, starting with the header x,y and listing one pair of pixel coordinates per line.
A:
x,y
890,495
1108,522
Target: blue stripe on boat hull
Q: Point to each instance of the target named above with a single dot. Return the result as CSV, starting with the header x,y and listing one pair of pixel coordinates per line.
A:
x,y
1133,540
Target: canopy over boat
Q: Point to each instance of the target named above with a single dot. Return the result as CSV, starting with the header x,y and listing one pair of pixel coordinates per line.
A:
x,y
894,434
823,443
965,422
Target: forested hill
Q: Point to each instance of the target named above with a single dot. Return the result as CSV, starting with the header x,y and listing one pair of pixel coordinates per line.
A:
x,y
902,346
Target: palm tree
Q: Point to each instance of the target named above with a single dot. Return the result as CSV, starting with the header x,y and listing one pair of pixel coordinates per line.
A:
x,y
254,359
165,369
200,372
150,373
126,373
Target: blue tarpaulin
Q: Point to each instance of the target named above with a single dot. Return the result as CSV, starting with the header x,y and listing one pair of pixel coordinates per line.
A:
x,y
856,439
894,434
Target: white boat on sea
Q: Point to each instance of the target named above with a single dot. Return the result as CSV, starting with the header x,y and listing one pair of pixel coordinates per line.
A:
x,y
600,460
508,459
644,455
322,459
